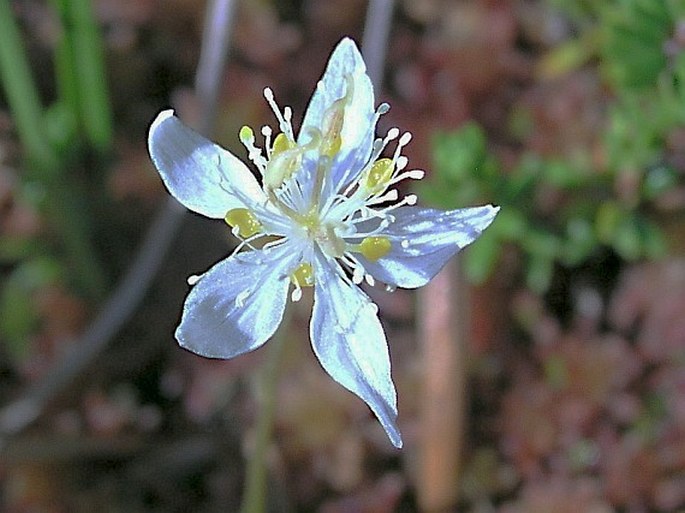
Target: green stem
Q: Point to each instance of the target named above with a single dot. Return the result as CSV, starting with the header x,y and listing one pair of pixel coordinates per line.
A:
x,y
81,72
255,491
22,96
65,69
66,208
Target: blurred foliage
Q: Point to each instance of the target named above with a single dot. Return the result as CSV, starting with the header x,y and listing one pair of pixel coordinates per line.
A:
x,y
58,140
615,203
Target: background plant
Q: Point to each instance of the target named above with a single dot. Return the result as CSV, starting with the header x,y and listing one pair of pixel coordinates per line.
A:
x,y
563,209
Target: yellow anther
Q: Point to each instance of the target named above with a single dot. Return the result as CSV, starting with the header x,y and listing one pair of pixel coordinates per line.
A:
x,y
303,275
333,120
281,167
246,134
332,128
244,221
374,248
379,175
281,144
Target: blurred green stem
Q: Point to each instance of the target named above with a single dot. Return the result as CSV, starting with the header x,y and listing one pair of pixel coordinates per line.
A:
x,y
68,212
22,95
255,492
44,165
80,69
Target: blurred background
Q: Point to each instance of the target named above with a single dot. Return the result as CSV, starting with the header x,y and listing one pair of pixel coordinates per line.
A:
x,y
543,371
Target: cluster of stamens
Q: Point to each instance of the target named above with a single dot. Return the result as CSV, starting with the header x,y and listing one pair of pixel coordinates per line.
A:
x,y
306,207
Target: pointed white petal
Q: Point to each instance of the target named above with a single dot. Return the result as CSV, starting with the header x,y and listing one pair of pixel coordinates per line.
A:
x,y
204,177
236,306
358,131
349,341
423,240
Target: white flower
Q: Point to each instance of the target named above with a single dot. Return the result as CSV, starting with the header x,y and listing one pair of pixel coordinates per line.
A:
x,y
326,203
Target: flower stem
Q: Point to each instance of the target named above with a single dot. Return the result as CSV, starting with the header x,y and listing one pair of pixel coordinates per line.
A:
x,y
255,490
442,319
375,42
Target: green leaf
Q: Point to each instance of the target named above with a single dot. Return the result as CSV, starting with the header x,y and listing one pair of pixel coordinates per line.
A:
x,y
459,155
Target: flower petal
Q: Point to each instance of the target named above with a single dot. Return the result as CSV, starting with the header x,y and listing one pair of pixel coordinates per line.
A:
x,y
423,240
198,173
349,341
236,306
357,131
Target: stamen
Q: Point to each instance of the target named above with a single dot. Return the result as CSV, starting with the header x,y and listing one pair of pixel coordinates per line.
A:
x,y
283,118
391,195
254,153
379,175
410,199
414,174
243,222
281,144
303,275
266,132
374,248
282,166
193,279
333,121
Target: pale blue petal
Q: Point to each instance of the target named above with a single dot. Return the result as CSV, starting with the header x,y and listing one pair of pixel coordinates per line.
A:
x,y
423,240
204,177
358,131
236,306
349,341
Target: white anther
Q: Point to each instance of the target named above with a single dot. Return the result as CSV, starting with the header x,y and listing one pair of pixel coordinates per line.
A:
x,y
193,279
266,132
401,162
411,199
405,243
369,279
296,294
404,140
392,134
414,174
